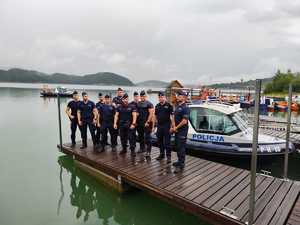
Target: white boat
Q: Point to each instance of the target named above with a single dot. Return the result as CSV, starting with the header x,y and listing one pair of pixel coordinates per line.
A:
x,y
220,128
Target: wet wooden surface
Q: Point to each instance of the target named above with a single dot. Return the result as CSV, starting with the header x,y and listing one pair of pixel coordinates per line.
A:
x,y
215,192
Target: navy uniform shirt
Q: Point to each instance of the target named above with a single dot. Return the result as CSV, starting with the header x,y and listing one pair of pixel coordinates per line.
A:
x,y
181,112
134,103
98,106
73,105
107,114
143,111
86,110
125,114
117,100
163,113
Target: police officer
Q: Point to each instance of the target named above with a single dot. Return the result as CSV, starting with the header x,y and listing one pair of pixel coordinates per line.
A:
x,y
145,123
126,117
180,128
163,117
117,100
98,106
136,99
71,111
106,123
87,117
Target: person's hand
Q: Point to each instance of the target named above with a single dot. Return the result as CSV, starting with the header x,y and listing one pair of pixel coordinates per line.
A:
x,y
95,122
147,124
80,123
72,117
153,129
98,125
132,126
115,126
173,130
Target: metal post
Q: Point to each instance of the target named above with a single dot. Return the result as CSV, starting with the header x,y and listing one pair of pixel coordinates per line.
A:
x,y
288,129
59,121
254,152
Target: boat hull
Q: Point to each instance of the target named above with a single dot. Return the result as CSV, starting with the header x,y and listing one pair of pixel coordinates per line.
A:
x,y
54,95
231,149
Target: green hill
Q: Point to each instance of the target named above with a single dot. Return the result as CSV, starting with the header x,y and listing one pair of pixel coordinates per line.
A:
x,y
31,76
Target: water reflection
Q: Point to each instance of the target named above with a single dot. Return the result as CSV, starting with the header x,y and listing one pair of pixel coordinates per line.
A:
x,y
89,197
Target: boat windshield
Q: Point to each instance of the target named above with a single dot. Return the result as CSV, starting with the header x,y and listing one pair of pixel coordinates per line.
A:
x,y
241,119
212,121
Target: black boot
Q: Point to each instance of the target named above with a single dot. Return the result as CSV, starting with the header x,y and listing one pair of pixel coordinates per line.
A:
x,y
95,148
124,150
169,159
102,149
83,146
160,157
133,153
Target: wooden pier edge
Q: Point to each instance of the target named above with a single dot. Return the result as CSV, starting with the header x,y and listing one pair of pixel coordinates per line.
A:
x,y
122,171
103,177
181,203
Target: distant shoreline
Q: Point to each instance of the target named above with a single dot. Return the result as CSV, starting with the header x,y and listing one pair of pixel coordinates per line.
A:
x,y
73,86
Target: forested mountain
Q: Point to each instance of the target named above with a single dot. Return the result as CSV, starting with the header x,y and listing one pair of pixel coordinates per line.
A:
x,y
30,76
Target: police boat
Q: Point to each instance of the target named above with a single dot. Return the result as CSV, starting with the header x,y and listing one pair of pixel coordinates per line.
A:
x,y
220,128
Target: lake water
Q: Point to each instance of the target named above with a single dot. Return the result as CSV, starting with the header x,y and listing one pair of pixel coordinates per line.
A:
x,y
39,185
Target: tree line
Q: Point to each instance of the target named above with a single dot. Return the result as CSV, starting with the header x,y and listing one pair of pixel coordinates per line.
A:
x,y
280,82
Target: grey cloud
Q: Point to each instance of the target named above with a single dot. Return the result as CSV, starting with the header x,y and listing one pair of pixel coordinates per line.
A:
x,y
196,41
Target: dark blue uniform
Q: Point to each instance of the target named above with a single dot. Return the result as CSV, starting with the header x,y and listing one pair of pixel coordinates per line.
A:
x,y
144,133
98,129
134,103
87,116
181,112
163,113
73,105
125,120
107,114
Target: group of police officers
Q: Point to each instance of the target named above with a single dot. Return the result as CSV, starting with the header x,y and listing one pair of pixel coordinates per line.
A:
x,y
129,120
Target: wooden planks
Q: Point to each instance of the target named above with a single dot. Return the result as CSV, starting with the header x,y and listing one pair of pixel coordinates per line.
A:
x,y
204,188
294,217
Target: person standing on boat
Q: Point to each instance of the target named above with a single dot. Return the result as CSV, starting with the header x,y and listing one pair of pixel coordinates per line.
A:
x,y
117,100
106,123
71,111
98,128
163,117
125,117
87,118
145,124
180,128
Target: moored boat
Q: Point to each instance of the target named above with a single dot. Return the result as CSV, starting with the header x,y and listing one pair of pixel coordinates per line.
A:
x,y
61,91
220,128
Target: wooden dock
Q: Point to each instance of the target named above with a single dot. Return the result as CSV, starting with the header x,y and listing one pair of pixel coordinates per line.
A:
x,y
215,192
294,218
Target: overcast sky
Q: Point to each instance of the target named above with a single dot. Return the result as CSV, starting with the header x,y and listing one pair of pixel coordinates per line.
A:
x,y
191,40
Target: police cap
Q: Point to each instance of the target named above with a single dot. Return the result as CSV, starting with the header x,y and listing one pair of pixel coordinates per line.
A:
x,y
125,96
142,93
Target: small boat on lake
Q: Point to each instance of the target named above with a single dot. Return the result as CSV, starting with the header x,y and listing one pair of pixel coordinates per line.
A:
x,y
61,91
